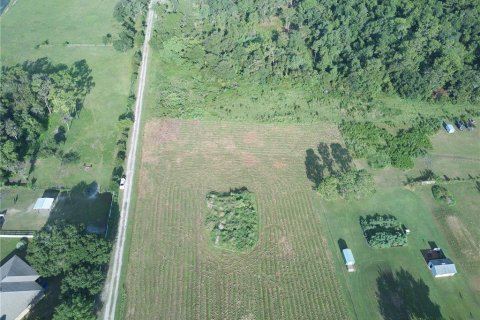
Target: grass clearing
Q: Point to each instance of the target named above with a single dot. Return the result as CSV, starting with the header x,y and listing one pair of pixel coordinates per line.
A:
x,y
395,283
288,274
94,133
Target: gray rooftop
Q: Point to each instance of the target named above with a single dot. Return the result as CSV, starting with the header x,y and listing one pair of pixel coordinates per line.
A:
x,y
442,266
18,288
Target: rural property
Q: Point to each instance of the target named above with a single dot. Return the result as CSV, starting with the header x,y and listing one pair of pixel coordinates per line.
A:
x,y
247,160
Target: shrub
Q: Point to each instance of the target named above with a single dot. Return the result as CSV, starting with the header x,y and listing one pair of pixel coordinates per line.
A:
x,y
352,184
383,231
232,219
441,194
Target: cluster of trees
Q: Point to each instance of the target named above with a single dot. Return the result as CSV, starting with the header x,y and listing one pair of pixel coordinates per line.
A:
x,y
381,148
232,221
38,98
128,13
351,184
79,258
417,49
441,194
383,231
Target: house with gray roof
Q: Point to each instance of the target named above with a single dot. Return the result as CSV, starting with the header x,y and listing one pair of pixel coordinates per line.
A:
x,y
19,290
442,268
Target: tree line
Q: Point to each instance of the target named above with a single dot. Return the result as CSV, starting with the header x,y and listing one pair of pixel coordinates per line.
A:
x,y
39,100
424,49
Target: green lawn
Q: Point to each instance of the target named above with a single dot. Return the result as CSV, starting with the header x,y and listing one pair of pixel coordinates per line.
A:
x,y
7,246
94,133
395,283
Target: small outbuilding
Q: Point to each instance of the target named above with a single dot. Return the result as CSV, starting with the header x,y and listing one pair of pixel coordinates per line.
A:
x,y
449,127
44,204
349,260
442,268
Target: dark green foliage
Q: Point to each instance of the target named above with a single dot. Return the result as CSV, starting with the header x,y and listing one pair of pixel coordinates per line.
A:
x,y
34,97
232,220
70,157
351,184
441,194
127,12
75,308
79,259
383,231
381,148
416,49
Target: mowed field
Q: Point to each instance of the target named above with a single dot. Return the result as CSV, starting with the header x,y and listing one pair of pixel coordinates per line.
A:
x,y
175,273
81,23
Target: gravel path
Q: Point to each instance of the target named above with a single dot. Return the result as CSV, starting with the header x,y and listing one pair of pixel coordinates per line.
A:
x,y
110,294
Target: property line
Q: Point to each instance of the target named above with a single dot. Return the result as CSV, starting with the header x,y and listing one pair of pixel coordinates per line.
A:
x,y
113,282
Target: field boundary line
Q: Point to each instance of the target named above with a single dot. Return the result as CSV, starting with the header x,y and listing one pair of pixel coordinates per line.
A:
x,y
113,282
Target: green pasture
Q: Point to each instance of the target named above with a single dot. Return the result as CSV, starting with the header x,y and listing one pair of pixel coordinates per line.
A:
x,y
82,24
395,283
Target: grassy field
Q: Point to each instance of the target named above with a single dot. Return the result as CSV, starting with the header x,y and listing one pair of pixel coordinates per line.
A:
x,y
81,23
288,275
395,283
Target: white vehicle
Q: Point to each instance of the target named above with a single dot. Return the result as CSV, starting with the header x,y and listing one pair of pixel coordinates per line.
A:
x,y
122,183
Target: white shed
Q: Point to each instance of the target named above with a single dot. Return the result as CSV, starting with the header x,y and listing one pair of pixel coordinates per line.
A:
x,y
349,260
44,204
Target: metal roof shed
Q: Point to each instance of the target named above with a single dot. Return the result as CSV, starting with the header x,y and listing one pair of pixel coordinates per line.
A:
x,y
442,268
348,256
43,204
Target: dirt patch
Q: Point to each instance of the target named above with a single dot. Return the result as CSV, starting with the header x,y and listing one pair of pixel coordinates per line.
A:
x,y
286,249
162,131
248,159
464,237
252,138
475,283
279,164
156,133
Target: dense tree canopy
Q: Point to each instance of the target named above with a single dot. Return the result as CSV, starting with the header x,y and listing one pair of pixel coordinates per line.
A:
x,y
78,258
34,97
424,49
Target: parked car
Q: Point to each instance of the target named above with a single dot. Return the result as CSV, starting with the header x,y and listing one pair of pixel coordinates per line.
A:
x,y
460,125
123,180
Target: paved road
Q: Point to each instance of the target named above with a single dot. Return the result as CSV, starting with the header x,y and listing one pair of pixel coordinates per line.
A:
x,y
110,293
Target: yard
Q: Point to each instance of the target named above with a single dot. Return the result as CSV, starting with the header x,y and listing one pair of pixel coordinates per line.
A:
x,y
29,23
395,283
289,274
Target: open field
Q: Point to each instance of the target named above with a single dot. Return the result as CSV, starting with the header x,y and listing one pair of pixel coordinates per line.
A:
x,y
173,271
27,24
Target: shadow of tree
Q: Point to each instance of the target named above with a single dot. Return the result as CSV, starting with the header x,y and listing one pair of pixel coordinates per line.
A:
x,y
313,167
327,160
341,156
334,159
400,296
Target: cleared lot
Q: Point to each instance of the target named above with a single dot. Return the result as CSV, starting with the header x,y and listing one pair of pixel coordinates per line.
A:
x,y
174,272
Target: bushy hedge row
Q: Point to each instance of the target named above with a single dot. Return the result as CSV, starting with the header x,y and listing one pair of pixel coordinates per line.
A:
x,y
381,148
383,231
232,221
353,184
127,12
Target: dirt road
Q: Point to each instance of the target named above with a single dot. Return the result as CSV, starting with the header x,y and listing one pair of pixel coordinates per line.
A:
x,y
110,294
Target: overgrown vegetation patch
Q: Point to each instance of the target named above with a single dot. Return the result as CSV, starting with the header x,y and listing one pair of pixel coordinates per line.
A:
x,y
441,194
383,231
381,148
232,221
352,184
